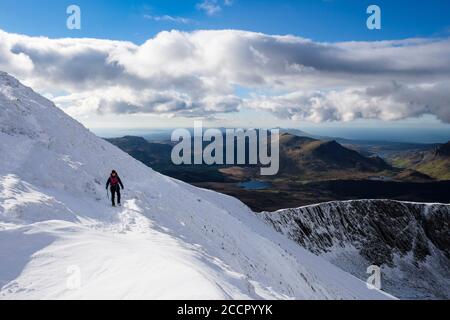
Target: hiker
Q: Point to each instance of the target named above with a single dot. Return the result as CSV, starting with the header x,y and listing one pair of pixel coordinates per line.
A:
x,y
115,183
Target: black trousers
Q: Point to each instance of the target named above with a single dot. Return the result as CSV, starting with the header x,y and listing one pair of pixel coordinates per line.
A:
x,y
114,190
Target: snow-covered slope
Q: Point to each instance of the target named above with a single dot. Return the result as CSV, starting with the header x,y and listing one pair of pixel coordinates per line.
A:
x,y
410,241
169,240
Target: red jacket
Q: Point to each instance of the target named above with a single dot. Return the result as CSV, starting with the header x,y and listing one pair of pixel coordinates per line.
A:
x,y
114,182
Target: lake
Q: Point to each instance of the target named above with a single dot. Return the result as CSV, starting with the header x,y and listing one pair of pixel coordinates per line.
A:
x,y
255,185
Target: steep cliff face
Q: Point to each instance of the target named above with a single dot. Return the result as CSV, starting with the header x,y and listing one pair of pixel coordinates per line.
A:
x,y
409,241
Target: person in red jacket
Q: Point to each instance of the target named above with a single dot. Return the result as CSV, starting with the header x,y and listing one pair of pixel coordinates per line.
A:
x,y
115,183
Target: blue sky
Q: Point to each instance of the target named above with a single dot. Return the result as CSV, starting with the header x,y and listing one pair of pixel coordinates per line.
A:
x,y
406,88
320,20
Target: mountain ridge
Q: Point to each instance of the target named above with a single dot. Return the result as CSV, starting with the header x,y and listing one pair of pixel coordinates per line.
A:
x,y
434,163
314,157
408,240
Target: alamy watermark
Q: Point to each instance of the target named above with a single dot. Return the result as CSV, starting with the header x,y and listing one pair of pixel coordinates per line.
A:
x,y
374,280
73,22
229,146
374,20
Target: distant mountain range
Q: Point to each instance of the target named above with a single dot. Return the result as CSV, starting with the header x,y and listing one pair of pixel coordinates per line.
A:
x,y
304,157
436,163
149,153
315,170
433,162
314,158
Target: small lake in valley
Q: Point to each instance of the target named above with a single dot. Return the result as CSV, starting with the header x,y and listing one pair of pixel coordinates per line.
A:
x,y
255,185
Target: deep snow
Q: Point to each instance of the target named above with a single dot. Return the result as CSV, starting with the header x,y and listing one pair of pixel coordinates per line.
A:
x,y
169,240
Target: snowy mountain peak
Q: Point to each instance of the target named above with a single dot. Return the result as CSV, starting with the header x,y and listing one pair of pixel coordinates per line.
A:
x,y
24,112
169,240
14,91
5,78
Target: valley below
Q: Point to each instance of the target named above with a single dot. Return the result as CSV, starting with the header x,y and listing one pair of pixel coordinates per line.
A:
x,y
311,171
294,194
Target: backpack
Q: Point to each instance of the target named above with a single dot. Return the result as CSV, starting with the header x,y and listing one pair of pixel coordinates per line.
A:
x,y
114,181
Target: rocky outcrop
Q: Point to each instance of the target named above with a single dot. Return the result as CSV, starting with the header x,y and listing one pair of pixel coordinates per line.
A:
x,y
409,241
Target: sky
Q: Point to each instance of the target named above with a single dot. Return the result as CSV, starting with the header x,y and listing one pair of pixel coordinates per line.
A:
x,y
137,20
239,63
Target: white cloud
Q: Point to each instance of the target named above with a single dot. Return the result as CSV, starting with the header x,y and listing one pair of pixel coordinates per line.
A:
x,y
168,18
196,73
17,63
390,101
211,7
